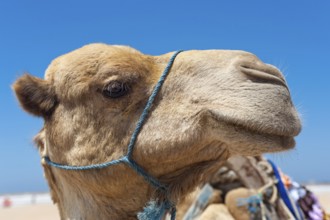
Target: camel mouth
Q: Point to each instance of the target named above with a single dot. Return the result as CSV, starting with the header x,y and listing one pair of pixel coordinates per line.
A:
x,y
288,130
267,140
288,142
275,142
280,142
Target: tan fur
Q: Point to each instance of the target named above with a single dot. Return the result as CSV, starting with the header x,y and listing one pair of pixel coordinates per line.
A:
x,y
216,212
214,104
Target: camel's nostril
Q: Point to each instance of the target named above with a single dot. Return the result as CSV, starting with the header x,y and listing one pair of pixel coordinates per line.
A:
x,y
263,73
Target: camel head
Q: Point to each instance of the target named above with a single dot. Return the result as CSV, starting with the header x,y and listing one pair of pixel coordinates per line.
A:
x,y
213,104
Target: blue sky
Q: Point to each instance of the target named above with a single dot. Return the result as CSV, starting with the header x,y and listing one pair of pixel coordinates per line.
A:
x,y
293,35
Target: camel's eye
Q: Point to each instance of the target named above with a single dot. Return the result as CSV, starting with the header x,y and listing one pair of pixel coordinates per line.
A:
x,y
115,89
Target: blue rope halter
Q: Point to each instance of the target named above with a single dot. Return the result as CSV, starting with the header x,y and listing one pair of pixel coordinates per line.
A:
x,y
152,211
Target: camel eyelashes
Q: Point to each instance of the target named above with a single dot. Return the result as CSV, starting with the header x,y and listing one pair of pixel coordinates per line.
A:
x,y
115,89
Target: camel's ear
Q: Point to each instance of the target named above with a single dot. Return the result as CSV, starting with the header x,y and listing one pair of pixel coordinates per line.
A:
x,y
35,95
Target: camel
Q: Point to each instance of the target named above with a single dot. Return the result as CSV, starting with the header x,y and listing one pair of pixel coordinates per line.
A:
x,y
214,104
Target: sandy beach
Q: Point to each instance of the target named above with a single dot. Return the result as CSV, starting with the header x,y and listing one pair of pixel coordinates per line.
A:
x,y
30,212
49,211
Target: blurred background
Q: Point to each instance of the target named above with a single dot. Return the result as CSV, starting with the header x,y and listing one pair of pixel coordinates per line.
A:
x,y
293,35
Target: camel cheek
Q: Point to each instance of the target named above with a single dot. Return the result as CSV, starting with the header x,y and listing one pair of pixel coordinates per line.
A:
x,y
35,95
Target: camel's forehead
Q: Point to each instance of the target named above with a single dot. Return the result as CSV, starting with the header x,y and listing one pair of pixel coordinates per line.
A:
x,y
93,66
87,57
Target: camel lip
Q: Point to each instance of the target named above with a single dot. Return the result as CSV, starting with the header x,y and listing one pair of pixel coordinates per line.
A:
x,y
280,142
275,134
283,143
278,139
240,125
289,142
